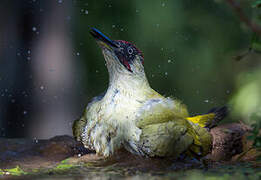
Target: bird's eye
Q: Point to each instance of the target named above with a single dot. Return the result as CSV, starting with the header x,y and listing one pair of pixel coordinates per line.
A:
x,y
130,50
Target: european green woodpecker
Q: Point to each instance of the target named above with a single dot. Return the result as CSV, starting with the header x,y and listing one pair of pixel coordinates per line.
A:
x,y
130,114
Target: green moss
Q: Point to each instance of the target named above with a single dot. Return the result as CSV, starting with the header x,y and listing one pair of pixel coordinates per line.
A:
x,y
17,171
65,161
89,164
35,170
64,166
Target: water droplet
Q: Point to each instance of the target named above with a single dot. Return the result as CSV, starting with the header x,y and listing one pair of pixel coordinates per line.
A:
x,y
163,4
12,100
113,26
28,52
169,61
166,73
86,12
78,54
137,11
68,18
42,87
28,58
51,70
206,101
157,25
60,1
122,29
35,140
18,54
79,155
25,112
34,28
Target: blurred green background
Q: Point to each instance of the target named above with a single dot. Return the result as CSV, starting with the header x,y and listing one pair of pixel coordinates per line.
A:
x,y
189,49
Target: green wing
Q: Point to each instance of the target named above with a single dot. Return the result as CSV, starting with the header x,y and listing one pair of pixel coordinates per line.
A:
x,y
166,131
162,110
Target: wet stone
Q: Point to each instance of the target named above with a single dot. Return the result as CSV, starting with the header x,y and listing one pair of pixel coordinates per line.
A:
x,y
62,157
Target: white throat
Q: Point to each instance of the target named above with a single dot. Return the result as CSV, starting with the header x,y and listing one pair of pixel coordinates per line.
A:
x,y
130,84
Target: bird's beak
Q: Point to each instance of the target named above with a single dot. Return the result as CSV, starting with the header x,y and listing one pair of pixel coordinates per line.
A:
x,y
103,40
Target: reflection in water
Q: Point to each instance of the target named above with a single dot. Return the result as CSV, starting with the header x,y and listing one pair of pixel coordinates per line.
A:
x,y
125,165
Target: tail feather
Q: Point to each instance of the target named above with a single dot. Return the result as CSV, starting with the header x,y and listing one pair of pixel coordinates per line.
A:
x,y
212,110
202,138
211,119
220,114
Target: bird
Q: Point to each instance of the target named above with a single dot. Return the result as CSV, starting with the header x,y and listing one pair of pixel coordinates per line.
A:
x,y
132,115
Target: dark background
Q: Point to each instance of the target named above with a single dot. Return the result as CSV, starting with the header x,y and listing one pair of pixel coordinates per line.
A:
x,y
50,66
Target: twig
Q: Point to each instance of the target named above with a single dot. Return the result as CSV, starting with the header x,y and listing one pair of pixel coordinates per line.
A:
x,y
237,8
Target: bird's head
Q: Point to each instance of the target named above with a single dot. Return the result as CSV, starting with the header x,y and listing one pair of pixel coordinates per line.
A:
x,y
122,57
